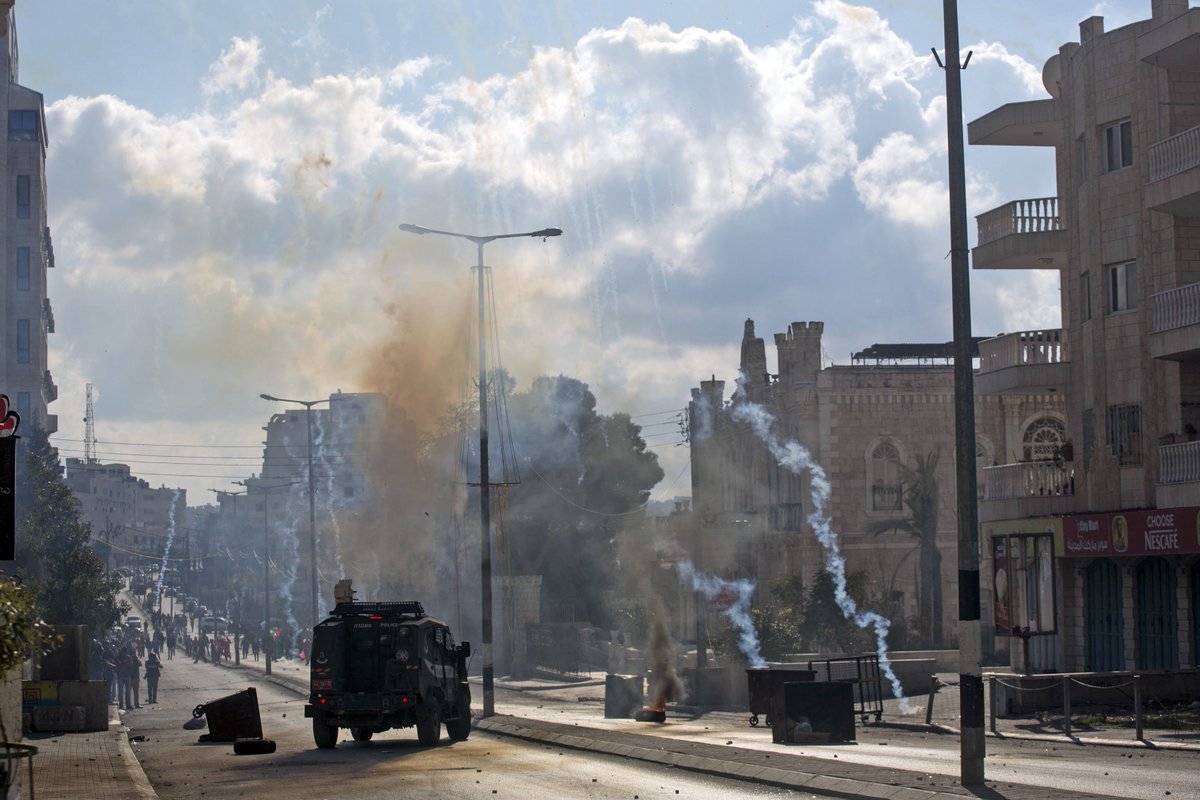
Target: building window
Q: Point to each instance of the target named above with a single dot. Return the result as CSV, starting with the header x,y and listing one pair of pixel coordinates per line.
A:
x,y
23,269
1043,438
1118,145
1086,299
22,126
23,197
983,460
887,492
1125,433
22,341
1122,287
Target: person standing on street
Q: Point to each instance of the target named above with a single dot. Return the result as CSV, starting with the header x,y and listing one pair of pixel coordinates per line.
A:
x,y
135,680
125,661
153,670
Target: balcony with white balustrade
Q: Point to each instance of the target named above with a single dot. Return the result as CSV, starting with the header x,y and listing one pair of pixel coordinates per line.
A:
x,y
1175,331
1023,234
1178,475
1025,362
1026,489
1174,186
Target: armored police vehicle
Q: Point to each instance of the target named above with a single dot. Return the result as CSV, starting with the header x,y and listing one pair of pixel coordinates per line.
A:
x,y
382,665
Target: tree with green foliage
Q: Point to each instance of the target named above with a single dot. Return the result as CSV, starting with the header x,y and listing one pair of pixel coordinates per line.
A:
x,y
921,497
826,628
777,624
583,475
63,572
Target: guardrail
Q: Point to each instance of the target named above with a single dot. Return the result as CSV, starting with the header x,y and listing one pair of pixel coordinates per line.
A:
x,y
1179,463
1029,479
1032,215
1023,348
1176,308
1177,154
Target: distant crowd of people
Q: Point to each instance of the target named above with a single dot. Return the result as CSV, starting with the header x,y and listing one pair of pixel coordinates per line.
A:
x,y
128,655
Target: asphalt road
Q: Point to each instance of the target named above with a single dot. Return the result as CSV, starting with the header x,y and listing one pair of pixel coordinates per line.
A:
x,y
392,765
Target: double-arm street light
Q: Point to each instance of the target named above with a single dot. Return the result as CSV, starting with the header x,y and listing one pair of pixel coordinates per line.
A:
x,y
489,706
312,500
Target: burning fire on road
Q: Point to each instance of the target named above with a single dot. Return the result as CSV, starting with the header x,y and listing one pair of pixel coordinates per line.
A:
x,y
665,684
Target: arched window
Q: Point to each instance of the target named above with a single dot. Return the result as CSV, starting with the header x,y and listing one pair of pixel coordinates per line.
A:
x,y
983,458
887,491
1043,438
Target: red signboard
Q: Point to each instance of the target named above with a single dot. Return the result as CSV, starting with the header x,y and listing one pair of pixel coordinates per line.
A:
x,y
1158,532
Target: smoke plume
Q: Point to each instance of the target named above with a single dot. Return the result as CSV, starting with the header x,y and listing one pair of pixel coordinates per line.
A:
x,y
795,458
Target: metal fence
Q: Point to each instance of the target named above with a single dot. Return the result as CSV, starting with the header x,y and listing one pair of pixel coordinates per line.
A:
x,y
863,673
555,647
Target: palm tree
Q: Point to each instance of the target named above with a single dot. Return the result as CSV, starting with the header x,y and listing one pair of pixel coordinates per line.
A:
x,y
921,499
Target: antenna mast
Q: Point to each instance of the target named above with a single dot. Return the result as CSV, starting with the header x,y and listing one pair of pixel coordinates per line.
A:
x,y
89,431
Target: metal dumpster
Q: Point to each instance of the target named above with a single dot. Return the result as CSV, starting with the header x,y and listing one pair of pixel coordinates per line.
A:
x,y
826,707
233,717
622,695
764,683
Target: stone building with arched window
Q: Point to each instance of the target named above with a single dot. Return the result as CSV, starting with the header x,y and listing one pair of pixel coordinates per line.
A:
x,y
861,425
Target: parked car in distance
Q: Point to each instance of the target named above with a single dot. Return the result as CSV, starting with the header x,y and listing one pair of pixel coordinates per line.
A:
x,y
133,622
214,625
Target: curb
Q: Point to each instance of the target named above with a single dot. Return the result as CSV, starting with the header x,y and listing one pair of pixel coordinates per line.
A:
x,y
783,778
133,767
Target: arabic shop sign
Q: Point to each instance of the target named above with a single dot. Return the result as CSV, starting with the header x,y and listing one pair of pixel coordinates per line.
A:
x,y
1157,532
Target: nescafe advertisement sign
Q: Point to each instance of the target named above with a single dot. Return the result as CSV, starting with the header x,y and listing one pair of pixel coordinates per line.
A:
x,y
1158,532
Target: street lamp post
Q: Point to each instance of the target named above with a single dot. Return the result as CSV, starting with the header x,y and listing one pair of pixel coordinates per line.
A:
x,y
489,700
312,500
268,638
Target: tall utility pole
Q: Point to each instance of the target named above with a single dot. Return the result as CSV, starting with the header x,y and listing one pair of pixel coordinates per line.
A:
x,y
970,643
485,520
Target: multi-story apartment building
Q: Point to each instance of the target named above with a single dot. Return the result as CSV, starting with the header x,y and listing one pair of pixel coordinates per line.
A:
x,y
893,405
1105,576
28,254
131,520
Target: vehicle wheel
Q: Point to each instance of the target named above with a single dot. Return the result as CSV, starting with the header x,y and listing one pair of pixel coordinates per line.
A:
x,y
459,729
429,727
362,734
324,734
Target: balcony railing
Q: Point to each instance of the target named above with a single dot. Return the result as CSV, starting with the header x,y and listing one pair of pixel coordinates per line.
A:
x,y
887,498
1179,463
1171,156
1034,215
1176,308
1023,348
1030,479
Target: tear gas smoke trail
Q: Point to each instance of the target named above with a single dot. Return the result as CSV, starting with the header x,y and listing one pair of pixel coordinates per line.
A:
x,y
323,456
291,557
738,611
162,571
794,457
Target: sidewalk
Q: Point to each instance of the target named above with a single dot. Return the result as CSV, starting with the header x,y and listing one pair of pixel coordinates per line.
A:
x,y
98,765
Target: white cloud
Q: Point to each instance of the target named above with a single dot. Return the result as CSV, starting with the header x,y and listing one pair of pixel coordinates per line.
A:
x,y
894,179
236,69
254,247
408,71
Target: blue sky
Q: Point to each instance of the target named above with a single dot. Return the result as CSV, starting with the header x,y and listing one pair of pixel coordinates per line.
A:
x,y
225,180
